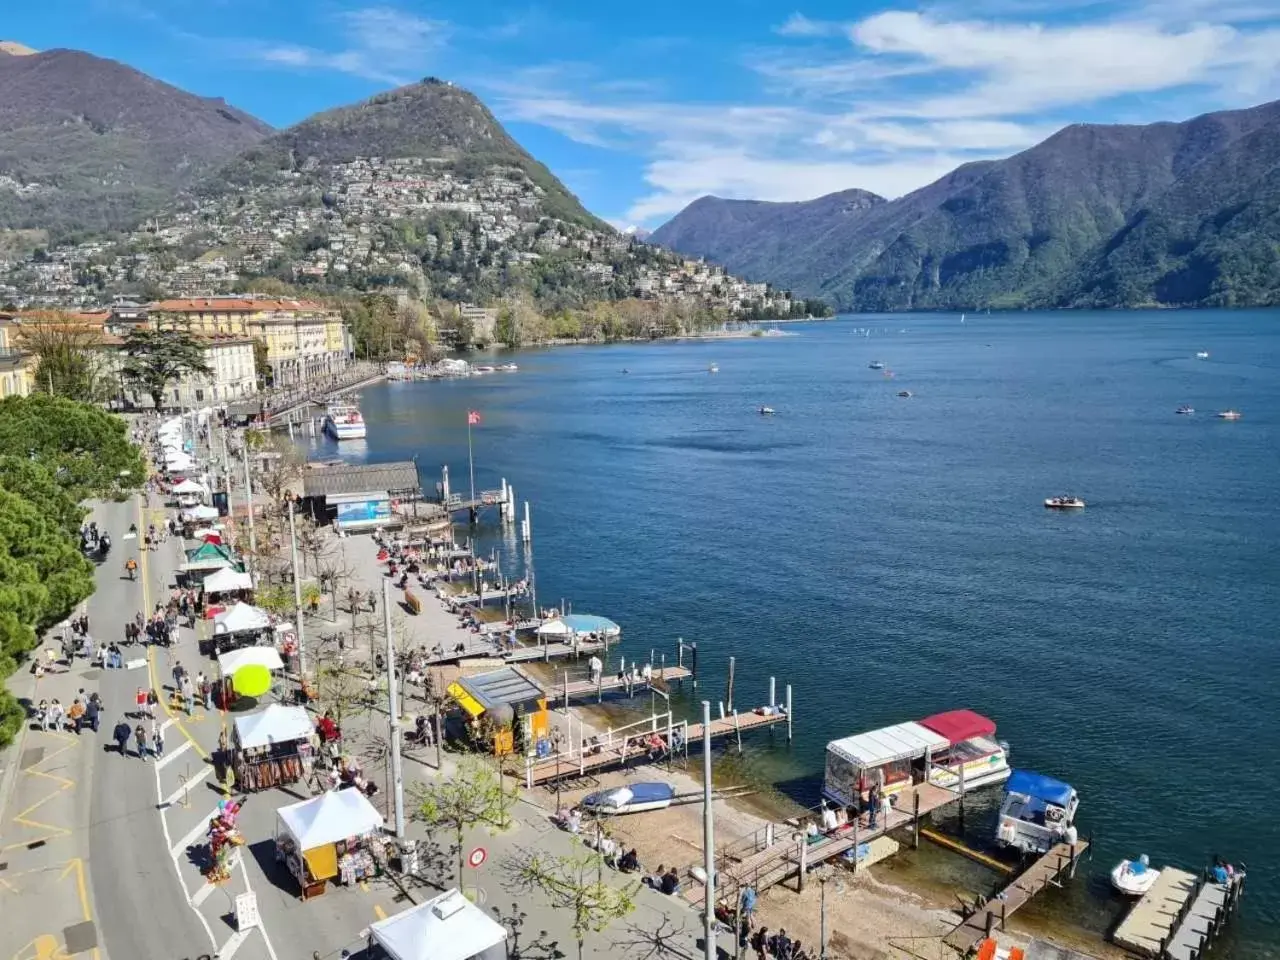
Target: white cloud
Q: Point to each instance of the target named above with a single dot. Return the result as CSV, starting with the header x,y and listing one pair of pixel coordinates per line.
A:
x,y
798,25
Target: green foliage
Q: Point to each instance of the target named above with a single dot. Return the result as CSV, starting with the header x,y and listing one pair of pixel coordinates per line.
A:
x,y
576,883
33,481
157,358
472,797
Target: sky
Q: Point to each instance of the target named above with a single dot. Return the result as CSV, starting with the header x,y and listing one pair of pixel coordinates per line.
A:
x,y
641,108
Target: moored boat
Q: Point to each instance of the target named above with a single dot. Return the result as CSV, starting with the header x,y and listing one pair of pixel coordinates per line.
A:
x,y
1133,878
1184,409
876,365
633,798
767,411
1064,503
714,368
1037,813
1230,415
1202,355
343,421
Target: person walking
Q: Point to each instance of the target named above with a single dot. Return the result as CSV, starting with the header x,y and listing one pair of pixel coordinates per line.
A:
x,y
188,695
140,740
121,736
157,739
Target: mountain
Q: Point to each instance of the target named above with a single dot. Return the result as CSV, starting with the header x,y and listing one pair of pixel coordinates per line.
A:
x,y
1096,215
91,144
431,119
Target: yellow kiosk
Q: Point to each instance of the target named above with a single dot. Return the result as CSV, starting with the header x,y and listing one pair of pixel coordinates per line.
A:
x,y
499,695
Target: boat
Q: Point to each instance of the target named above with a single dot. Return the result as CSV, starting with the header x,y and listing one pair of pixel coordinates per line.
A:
x,y
1134,878
767,411
1037,813
343,421
1064,503
876,365
948,749
1230,415
633,798
508,368
1184,409
479,371
714,368
1202,355
904,393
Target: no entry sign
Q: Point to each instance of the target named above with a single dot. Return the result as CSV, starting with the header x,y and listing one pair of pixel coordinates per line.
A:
x,y
477,856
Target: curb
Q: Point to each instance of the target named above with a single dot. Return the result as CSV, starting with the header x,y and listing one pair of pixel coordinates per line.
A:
x,y
10,771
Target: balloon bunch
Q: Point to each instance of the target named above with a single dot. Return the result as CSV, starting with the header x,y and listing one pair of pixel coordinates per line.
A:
x,y
224,835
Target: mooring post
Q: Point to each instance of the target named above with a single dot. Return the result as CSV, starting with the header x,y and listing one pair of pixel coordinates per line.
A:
x,y
915,819
962,799
565,674
737,729
788,713
693,655
679,651
804,863
991,921
855,844
662,670
728,696
1003,911
721,702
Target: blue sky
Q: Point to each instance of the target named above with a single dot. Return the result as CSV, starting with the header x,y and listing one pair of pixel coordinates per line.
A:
x,y
643,107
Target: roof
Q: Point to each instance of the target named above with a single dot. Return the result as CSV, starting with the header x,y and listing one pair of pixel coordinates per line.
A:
x,y
1039,787
580,623
348,478
260,656
960,725
330,817
504,687
446,927
276,724
875,748
233,305
244,408
227,580
242,618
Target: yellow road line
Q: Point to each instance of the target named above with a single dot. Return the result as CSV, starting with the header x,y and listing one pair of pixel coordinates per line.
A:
x,y
23,817
379,912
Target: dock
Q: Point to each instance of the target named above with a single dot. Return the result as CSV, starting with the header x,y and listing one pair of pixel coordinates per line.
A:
x,y
568,690
1049,869
1179,916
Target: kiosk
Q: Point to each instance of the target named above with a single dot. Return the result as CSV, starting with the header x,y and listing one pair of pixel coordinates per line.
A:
x,y
272,746
328,837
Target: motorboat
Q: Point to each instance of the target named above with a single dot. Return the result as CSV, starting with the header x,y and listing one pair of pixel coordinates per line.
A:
x,y
876,365
714,368
1184,409
973,757
1038,812
1230,415
343,421
633,798
767,411
1064,503
1134,878
508,368
904,393
1202,355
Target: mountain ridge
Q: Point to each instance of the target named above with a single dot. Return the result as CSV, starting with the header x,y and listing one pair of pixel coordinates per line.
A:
x,y
1054,225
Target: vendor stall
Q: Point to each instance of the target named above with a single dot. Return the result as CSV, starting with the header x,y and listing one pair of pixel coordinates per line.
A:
x,y
272,746
496,702
257,659
446,927
227,584
332,836
235,627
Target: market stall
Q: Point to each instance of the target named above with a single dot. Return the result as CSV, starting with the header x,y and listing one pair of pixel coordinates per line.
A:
x,y
237,626
247,672
332,836
272,746
498,702
226,585
446,927
190,492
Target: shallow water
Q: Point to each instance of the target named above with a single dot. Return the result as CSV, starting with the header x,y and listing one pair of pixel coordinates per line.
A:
x,y
890,557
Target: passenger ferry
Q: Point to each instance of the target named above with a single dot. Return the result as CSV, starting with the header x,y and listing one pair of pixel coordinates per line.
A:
x,y
939,749
343,421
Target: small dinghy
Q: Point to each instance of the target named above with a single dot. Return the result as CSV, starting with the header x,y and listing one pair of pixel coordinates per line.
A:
x,y
1133,878
635,798
767,411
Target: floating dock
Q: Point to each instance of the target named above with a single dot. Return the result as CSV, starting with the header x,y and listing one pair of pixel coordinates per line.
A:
x,y
1050,868
1179,916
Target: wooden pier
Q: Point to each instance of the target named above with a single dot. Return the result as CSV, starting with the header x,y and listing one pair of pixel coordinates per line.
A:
x,y
1179,916
578,689
1048,869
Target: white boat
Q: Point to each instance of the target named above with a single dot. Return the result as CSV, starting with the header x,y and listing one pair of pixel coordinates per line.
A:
x,y
633,798
714,368
1202,355
1185,409
343,421
1134,878
876,365
479,371
767,411
1230,415
1037,813
508,368
904,393
1064,503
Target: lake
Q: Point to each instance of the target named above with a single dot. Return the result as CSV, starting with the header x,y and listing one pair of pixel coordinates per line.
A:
x,y
891,557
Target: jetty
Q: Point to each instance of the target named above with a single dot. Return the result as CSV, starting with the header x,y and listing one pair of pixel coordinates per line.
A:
x,y
1179,916
1050,868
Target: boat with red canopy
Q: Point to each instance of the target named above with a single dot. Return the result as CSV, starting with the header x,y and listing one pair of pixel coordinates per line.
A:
x,y
972,747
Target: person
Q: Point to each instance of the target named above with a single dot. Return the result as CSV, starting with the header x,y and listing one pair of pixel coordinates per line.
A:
x,y
597,668
157,738
609,850
670,882
748,902
56,714
92,711
140,740
655,881
573,823
760,943
121,736
130,567
75,714
629,862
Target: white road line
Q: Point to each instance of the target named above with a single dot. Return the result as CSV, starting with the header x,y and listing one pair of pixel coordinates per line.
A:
x,y
201,895
166,725
228,949
262,926
174,753
186,787
196,833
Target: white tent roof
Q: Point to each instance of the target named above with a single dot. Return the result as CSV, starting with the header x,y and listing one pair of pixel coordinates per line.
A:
x,y
241,618
190,486
226,580
276,724
233,660
447,927
200,512
330,817
878,747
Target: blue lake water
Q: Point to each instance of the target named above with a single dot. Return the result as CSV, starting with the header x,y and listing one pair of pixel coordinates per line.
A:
x,y
891,557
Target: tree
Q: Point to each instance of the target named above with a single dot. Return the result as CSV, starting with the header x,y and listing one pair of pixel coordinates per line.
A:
x,y
262,363
68,352
471,798
575,882
157,358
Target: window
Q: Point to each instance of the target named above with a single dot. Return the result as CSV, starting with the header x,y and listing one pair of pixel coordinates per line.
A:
x,y
199,396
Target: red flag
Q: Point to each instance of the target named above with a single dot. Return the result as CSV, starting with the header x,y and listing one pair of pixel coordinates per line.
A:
x,y
473,418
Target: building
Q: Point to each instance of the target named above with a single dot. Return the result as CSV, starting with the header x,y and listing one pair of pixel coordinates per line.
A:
x,y
233,374
305,340
483,321
16,366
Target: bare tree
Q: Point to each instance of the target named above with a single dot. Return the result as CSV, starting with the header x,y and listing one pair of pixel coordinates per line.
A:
x,y
659,943
472,797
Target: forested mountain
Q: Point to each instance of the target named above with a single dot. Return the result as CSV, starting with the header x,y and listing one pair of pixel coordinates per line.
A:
x,y
1096,215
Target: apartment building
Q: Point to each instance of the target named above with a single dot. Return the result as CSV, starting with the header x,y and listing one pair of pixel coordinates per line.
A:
x,y
16,367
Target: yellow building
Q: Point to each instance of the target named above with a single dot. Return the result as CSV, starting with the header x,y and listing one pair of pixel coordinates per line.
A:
x,y
306,341
16,366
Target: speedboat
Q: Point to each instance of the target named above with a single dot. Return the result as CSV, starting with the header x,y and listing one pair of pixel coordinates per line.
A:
x,y
904,393
714,368
767,411
633,798
1037,813
876,365
343,421
1064,503
1133,878
1202,355
1230,415
1185,409
508,368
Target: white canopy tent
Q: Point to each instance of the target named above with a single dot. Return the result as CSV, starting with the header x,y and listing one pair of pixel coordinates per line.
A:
x,y
328,818
227,580
233,660
200,512
190,486
242,618
446,927
276,724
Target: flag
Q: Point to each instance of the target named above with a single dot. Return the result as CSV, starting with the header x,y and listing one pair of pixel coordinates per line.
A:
x,y
473,418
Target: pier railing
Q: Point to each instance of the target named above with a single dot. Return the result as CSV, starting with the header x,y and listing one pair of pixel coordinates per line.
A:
x,y
578,757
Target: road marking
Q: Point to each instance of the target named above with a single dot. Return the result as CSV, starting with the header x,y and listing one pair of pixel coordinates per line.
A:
x,y
185,789
379,912
23,817
82,890
201,895
262,926
198,831
182,748
228,949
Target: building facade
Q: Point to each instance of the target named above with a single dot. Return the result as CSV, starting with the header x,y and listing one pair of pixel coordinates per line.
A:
x,y
16,366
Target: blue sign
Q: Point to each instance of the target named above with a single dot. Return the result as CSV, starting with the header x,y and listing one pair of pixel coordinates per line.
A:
x,y
364,511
